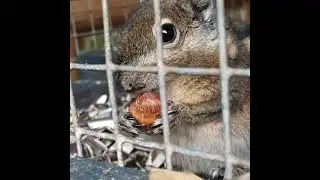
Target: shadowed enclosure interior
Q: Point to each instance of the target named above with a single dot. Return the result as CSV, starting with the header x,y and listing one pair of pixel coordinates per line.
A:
x,y
95,25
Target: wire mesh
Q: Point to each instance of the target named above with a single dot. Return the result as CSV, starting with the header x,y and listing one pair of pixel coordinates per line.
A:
x,y
224,87
223,71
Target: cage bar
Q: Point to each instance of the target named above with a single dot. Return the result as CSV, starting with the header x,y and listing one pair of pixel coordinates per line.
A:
x,y
162,85
96,32
107,45
167,69
75,119
224,76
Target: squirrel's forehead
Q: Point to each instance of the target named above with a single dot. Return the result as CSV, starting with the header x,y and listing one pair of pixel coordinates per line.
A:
x,y
137,37
169,9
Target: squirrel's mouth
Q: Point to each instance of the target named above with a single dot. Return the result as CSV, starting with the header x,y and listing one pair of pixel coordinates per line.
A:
x,y
152,98
131,96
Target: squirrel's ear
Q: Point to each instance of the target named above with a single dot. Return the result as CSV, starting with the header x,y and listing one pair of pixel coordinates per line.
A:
x,y
237,10
204,9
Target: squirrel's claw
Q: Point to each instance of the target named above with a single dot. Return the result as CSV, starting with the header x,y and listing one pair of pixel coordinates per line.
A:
x,y
127,125
157,127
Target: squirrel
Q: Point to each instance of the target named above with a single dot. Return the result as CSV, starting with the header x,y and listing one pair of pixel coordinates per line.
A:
x,y
190,39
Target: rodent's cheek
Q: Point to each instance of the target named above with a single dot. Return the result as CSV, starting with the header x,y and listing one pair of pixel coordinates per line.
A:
x,y
149,59
192,90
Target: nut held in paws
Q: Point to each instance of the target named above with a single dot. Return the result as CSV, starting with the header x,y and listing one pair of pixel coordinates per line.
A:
x,y
145,109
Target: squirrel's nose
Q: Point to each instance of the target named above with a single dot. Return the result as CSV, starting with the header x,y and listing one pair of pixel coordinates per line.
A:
x,y
130,82
131,87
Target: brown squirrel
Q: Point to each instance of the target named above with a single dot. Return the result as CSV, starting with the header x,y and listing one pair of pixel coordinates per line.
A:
x,y
190,39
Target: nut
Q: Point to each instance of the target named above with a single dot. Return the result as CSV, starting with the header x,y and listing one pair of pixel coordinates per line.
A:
x,y
145,109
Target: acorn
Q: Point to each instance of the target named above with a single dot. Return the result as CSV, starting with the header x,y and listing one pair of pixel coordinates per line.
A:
x,y
145,108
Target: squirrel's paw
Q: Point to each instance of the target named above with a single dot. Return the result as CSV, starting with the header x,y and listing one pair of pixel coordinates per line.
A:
x,y
156,128
129,127
218,173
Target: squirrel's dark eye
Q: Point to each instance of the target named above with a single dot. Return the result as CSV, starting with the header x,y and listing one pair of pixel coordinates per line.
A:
x,y
168,33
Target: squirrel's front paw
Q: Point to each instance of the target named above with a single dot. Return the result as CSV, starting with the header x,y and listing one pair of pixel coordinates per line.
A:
x,y
127,125
218,173
157,127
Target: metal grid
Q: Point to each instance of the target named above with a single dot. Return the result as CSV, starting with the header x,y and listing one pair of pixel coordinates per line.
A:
x,y
224,71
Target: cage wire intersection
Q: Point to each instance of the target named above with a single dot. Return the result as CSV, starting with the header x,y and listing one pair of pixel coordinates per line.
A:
x,y
223,71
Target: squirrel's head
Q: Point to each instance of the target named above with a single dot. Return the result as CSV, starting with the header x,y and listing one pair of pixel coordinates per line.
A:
x,y
188,34
189,38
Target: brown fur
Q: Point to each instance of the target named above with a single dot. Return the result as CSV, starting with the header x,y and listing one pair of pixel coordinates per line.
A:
x,y
198,123
238,10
